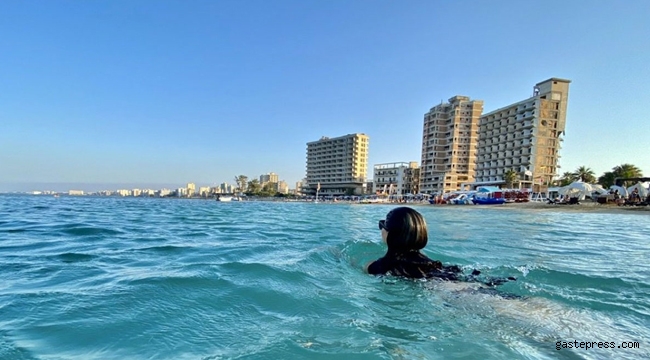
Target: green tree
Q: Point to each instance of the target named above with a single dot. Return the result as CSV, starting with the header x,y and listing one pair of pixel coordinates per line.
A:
x,y
607,179
241,182
624,171
584,174
269,189
510,176
627,171
566,179
254,188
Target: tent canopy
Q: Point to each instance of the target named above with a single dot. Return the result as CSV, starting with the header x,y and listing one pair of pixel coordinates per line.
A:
x,y
621,190
577,189
643,192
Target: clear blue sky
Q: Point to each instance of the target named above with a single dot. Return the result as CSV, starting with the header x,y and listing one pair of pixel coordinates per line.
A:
x,y
154,93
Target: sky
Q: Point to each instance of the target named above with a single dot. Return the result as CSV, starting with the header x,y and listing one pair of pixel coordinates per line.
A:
x,y
111,94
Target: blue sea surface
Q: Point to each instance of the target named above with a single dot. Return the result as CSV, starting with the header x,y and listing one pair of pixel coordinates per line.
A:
x,y
139,278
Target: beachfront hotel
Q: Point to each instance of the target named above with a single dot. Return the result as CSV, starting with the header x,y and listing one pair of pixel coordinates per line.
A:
x,y
338,165
525,137
396,179
449,141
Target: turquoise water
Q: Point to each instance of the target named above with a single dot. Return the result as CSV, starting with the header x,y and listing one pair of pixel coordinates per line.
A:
x,y
126,278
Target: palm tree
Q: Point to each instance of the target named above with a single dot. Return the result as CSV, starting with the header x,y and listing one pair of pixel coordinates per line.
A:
x,y
585,174
241,182
627,171
567,178
510,176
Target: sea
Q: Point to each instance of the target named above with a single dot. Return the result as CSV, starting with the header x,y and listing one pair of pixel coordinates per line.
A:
x,y
150,278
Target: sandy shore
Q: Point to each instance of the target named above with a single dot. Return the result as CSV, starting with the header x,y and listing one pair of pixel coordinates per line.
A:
x,y
582,207
542,206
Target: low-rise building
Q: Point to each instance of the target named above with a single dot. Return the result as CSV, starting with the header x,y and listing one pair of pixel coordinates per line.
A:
x,y
282,187
204,191
123,192
400,178
268,178
165,192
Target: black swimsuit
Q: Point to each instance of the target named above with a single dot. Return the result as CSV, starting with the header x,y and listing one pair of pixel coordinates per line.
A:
x,y
413,264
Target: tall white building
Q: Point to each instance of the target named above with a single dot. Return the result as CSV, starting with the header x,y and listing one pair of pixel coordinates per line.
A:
x,y
525,137
338,165
191,189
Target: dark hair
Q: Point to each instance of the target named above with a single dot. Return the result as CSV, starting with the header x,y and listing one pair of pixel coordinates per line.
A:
x,y
407,230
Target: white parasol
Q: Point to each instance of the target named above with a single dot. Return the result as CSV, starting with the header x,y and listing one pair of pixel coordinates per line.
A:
x,y
643,192
577,189
621,190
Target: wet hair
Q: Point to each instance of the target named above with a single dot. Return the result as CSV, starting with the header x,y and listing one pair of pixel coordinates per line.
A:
x,y
407,230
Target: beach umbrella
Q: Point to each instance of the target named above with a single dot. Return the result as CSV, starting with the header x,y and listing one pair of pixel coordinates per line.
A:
x,y
577,189
599,189
567,190
643,192
621,190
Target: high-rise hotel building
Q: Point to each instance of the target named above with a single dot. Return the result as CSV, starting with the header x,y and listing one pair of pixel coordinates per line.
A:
x,y
339,165
524,137
449,141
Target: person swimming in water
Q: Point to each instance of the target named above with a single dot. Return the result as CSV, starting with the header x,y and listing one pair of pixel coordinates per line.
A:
x,y
404,231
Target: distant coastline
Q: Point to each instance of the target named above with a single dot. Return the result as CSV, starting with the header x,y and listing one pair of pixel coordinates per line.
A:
x,y
585,207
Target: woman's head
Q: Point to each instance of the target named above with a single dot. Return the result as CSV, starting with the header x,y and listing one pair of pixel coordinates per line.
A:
x,y
405,229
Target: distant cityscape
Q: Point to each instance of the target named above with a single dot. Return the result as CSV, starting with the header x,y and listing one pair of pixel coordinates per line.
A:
x,y
462,148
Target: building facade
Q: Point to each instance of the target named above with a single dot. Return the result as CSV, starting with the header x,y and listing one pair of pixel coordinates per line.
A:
x,y
338,165
191,189
449,145
226,188
268,178
205,191
397,179
282,187
524,137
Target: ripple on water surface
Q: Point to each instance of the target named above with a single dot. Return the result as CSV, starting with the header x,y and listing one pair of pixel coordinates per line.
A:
x,y
114,278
